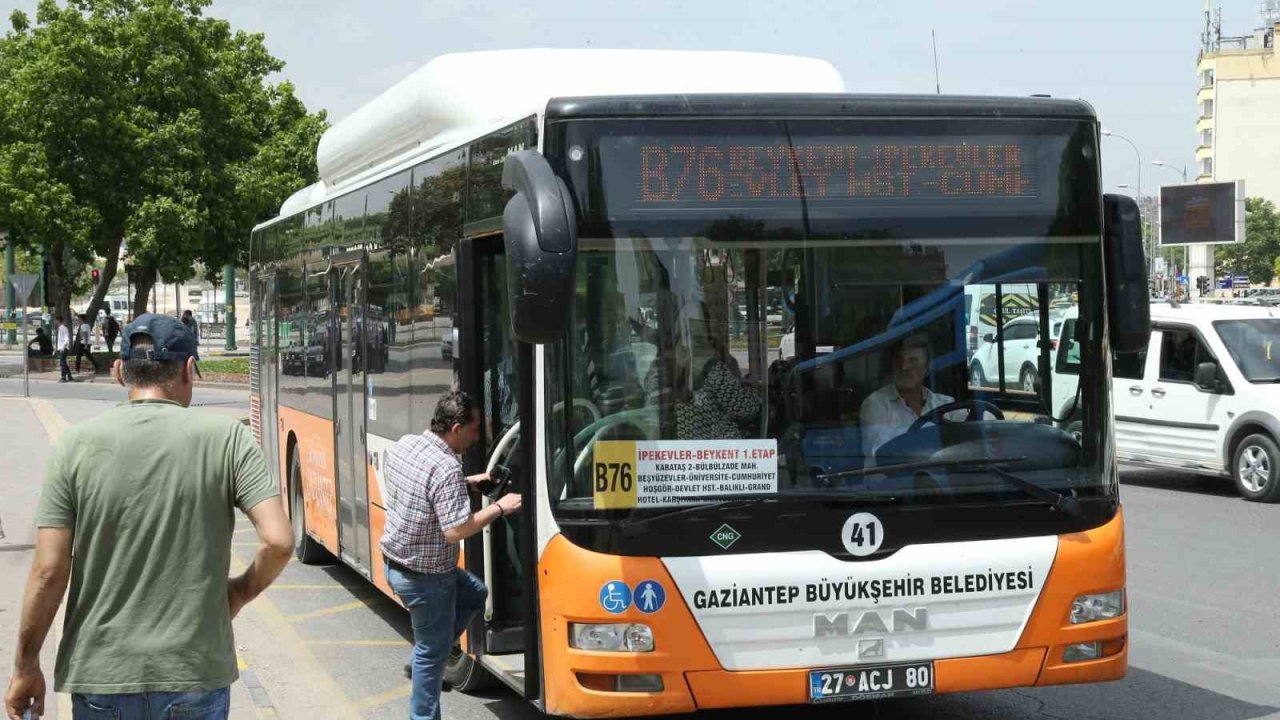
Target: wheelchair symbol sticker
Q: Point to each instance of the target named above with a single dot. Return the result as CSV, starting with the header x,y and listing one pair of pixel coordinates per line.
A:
x,y
650,596
615,597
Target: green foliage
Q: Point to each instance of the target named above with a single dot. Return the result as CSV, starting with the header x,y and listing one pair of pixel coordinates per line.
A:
x,y
145,120
226,366
1257,255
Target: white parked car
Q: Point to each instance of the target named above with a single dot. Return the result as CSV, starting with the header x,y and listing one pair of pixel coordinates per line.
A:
x,y
1205,396
1020,346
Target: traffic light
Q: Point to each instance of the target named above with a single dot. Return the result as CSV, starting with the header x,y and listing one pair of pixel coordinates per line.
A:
x,y
1202,284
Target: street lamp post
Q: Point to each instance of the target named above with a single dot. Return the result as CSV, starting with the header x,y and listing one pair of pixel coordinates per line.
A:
x,y
1167,165
1136,152
1186,251
1152,262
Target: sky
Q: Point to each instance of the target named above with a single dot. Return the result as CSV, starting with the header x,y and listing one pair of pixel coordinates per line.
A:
x,y
1133,60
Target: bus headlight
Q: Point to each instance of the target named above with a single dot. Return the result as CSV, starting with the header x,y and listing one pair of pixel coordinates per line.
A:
x,y
611,637
1097,606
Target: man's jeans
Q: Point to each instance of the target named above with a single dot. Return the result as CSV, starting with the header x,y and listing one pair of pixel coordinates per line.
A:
x,y
205,705
440,606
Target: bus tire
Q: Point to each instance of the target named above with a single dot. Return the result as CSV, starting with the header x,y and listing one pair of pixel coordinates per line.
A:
x,y
1255,467
306,548
464,673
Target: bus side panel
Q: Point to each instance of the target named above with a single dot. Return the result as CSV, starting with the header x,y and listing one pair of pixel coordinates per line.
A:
x,y
315,446
377,521
570,580
1087,562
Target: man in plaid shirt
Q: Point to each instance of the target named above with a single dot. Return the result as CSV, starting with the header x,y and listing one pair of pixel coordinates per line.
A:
x,y
428,514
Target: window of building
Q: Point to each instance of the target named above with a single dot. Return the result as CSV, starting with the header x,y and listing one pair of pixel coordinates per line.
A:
x,y
1206,166
1206,109
1206,137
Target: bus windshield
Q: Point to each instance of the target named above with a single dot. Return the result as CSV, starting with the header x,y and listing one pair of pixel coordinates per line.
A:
x,y
897,348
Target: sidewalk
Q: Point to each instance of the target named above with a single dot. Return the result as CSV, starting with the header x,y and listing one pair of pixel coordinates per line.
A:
x,y
27,430
87,375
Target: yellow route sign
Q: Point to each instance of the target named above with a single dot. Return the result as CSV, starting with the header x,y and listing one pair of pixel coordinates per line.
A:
x,y
613,474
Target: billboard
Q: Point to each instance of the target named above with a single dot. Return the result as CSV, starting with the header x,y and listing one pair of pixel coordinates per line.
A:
x,y
1202,213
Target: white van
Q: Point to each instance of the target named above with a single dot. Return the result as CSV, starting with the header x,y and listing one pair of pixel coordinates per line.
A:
x,y
1205,396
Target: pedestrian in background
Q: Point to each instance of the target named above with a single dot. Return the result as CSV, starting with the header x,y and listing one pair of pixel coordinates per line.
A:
x,y
63,346
110,330
84,343
136,513
428,514
194,327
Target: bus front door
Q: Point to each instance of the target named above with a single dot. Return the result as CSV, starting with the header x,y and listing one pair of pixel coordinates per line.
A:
x,y
347,285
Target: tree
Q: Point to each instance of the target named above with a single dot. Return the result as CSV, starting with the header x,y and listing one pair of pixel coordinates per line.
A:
x,y
1256,256
145,120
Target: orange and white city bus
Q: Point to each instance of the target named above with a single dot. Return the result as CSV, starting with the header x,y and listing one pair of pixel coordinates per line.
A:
x,y
608,248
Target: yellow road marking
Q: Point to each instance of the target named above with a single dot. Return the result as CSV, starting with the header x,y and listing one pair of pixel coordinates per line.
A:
x,y
397,693
307,668
241,665
362,643
330,610
53,422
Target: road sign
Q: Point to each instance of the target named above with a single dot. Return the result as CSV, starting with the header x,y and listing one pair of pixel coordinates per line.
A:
x,y
23,284
8,326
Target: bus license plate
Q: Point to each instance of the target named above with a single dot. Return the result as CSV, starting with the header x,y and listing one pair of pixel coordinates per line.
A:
x,y
872,682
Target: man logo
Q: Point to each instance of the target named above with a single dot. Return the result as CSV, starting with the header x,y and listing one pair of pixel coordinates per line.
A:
x,y
871,621
871,649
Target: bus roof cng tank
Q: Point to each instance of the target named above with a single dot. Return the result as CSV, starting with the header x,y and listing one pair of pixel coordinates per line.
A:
x,y
455,98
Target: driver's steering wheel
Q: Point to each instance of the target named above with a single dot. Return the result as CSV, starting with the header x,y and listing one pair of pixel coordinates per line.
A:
x,y
977,408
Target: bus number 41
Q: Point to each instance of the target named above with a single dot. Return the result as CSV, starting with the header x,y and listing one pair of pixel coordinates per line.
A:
x,y
613,477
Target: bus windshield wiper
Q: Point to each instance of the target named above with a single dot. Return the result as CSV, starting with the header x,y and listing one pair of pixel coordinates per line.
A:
x,y
996,466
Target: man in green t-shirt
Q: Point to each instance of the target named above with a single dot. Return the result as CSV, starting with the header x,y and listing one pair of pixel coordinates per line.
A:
x,y
137,511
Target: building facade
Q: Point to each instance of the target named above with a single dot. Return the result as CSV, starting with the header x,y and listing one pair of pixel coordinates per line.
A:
x,y
1237,130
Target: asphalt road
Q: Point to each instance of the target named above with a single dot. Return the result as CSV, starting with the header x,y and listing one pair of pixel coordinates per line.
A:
x,y
1204,591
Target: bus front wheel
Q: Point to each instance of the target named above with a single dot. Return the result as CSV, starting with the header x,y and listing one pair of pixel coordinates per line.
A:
x,y
306,548
465,673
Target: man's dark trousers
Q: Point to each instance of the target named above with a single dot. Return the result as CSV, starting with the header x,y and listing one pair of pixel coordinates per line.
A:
x,y
440,607
66,369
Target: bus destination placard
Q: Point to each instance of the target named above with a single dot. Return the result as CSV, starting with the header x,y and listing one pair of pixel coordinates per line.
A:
x,y
665,473
675,172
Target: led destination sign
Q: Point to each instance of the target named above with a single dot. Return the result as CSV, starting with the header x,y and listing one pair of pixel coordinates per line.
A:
x,y
672,172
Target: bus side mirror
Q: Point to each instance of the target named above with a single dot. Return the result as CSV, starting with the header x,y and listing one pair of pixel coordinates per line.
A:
x,y
1129,308
540,233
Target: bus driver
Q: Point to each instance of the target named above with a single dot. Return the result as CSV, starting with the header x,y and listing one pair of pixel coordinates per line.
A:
x,y
889,411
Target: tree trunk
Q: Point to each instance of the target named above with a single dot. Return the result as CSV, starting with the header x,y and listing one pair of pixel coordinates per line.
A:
x,y
110,267
59,289
146,280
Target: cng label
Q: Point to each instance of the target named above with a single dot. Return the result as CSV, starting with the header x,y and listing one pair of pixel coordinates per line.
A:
x,y
724,536
862,534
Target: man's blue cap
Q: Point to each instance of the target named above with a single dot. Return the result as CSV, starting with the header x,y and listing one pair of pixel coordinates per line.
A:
x,y
171,339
